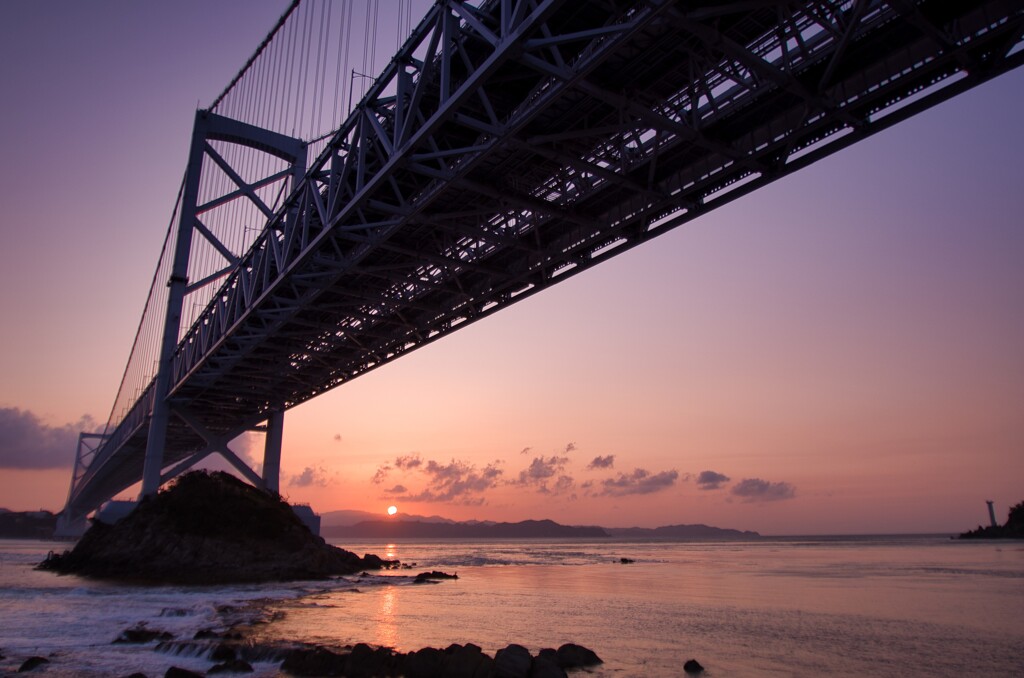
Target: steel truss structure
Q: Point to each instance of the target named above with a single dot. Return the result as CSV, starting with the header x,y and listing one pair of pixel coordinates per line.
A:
x,y
509,146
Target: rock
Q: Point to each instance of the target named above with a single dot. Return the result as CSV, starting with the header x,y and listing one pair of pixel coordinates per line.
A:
x,y
363,660
466,661
232,666
141,634
223,653
315,662
572,656
32,663
427,576
137,674
546,666
693,667
208,528
178,672
512,662
424,663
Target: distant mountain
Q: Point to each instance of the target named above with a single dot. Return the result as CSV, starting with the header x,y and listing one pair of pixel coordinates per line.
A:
x,y
348,518
527,529
681,532
416,529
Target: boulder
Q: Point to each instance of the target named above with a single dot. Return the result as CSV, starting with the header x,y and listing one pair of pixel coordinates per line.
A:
x,y
208,528
32,663
572,656
546,667
366,662
178,672
466,661
427,576
693,667
315,662
232,666
423,663
512,662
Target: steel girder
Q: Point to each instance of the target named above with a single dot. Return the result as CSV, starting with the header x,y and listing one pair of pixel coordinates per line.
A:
x,y
510,146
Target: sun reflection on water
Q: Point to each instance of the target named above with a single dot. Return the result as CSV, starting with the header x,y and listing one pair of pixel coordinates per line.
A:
x,y
387,625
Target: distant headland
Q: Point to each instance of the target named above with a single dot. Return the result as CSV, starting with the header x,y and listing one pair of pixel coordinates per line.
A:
x,y
527,529
1013,528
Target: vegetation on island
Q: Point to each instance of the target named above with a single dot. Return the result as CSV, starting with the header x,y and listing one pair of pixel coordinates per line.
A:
x,y
1012,529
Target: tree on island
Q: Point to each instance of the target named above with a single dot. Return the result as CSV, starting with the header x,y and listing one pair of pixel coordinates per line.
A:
x,y
1013,529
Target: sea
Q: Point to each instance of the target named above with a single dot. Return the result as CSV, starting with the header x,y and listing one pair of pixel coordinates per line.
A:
x,y
795,606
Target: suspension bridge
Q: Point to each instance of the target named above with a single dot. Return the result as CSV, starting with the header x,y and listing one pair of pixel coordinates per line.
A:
x,y
330,221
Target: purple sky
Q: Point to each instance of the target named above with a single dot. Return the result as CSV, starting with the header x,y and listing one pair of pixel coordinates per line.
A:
x,y
839,352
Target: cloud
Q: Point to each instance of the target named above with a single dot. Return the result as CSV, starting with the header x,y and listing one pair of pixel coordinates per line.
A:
x,y
408,462
570,447
397,489
710,480
602,462
640,481
456,482
337,437
755,489
525,450
27,443
541,471
309,476
380,475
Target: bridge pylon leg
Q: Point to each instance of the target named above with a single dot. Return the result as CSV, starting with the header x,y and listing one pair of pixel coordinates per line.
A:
x,y
178,287
272,452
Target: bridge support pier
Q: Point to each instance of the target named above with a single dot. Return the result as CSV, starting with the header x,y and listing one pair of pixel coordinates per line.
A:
x,y
272,452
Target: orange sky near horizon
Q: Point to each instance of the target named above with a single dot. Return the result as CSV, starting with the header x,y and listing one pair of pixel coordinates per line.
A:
x,y
843,347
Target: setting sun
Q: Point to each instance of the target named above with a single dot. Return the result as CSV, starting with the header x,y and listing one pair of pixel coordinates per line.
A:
x,y
392,510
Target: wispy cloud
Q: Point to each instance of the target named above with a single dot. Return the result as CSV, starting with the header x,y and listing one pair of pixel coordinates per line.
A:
x,y
602,462
571,447
27,443
397,489
711,480
525,450
409,461
381,474
755,489
640,481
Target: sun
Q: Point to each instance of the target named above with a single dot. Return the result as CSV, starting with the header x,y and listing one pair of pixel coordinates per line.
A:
x,y
392,510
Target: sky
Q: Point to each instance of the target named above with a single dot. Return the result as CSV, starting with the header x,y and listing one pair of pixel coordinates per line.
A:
x,y
839,352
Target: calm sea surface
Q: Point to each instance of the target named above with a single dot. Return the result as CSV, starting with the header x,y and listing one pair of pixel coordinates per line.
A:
x,y
853,606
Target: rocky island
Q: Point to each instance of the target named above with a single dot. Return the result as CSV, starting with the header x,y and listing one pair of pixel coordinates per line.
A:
x,y
208,528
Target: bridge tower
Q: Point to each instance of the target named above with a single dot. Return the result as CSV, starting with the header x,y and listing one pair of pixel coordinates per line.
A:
x,y
212,127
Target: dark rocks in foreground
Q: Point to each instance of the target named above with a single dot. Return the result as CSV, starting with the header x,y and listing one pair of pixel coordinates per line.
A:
x,y
1012,529
693,667
467,660
32,663
208,528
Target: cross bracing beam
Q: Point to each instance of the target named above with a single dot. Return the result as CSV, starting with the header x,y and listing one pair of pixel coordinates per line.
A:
x,y
513,144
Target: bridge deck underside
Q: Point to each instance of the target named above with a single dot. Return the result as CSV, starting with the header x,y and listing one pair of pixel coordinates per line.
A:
x,y
552,163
